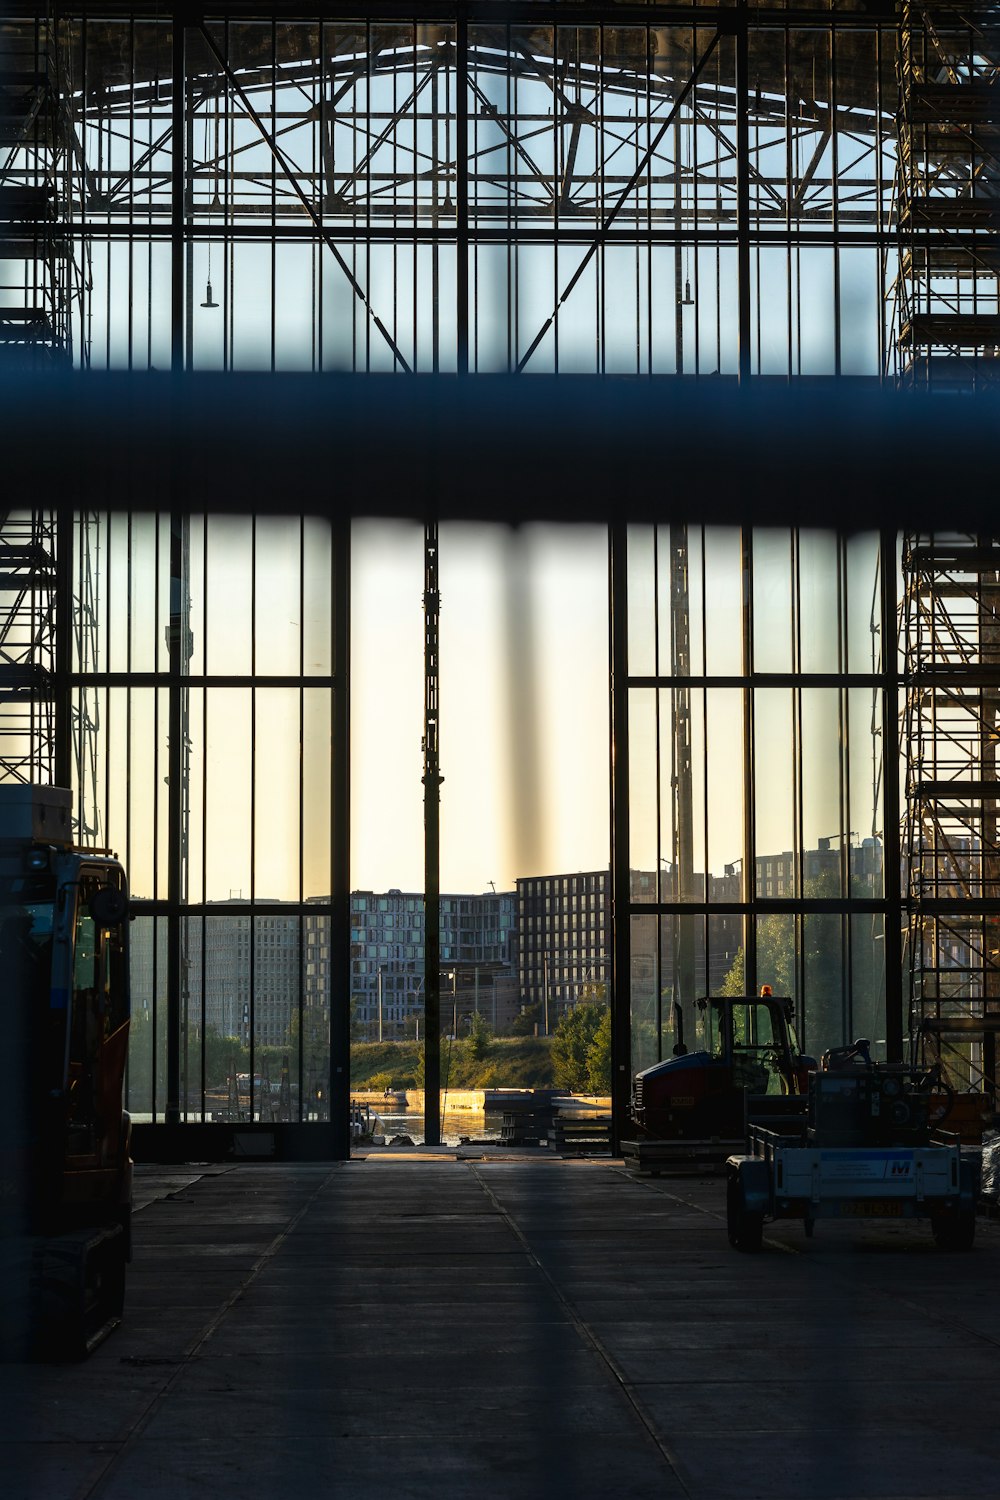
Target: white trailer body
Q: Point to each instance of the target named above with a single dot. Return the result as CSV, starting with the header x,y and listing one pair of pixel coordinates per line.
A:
x,y
782,1179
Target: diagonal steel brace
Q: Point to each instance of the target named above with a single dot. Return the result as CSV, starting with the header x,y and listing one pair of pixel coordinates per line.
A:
x,y
620,202
289,171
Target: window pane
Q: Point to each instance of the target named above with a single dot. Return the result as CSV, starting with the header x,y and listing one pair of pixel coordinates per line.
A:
x,y
822,794
774,788
724,590
868,981
819,602
772,601
826,1015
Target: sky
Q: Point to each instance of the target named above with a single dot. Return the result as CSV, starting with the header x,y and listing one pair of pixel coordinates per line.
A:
x,y
523,704
524,738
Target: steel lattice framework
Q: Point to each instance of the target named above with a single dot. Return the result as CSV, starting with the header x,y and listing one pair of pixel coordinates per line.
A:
x,y
949,210
28,592
694,191
651,190
951,643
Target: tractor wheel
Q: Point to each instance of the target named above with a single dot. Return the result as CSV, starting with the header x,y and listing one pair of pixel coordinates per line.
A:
x,y
745,1227
954,1231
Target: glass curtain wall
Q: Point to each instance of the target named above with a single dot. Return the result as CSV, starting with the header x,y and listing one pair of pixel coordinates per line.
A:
x,y
530,187
206,686
705,191
754,695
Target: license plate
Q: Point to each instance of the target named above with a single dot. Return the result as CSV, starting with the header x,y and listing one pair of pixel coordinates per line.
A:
x,y
871,1208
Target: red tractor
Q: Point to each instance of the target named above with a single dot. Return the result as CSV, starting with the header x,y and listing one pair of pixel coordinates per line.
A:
x,y
747,1065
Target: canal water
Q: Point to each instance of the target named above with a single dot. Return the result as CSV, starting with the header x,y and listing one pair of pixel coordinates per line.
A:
x,y
474,1124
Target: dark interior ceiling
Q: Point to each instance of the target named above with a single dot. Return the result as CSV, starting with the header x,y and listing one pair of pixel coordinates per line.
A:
x,y
848,453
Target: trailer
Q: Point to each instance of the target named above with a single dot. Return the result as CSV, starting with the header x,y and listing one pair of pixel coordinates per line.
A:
x,y
864,1150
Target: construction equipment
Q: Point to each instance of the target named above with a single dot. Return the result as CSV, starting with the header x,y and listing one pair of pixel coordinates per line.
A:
x,y
64,1135
866,1148
696,1105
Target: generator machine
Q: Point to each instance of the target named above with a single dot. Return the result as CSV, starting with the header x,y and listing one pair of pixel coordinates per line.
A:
x,y
65,1166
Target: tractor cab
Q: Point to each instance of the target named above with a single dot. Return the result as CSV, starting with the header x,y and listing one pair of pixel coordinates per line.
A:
x,y
745,1046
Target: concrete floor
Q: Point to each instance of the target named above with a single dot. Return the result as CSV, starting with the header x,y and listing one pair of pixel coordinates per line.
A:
x,y
513,1327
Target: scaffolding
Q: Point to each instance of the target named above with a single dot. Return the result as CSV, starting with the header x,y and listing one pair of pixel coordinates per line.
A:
x,y
28,602
34,560
948,209
37,268
39,285
951,674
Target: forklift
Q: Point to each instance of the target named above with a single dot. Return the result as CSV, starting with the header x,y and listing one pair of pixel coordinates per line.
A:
x,y
65,1164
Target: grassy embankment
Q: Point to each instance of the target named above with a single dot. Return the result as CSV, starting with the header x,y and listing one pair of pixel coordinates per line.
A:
x,y
506,1062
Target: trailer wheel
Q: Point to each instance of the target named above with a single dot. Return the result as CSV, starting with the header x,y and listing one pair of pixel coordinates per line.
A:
x,y
745,1227
954,1231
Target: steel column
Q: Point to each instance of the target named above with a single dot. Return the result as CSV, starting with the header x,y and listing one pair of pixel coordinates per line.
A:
x,y
749,825
621,893
462,189
432,845
177,182
62,691
176,798
742,20
682,794
891,854
340,864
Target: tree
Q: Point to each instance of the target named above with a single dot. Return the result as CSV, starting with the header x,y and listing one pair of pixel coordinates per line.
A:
x,y
822,961
599,1057
359,1028
525,1023
445,1045
220,1051
140,1062
571,1044
315,1047
479,1037
735,982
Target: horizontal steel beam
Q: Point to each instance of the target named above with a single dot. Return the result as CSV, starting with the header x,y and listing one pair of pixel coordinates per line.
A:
x,y
520,13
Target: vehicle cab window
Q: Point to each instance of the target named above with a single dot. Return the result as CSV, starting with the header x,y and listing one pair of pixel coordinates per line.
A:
x,y
99,1009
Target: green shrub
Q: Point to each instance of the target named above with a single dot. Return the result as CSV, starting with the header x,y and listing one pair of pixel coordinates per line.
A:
x,y
571,1044
599,1057
379,1082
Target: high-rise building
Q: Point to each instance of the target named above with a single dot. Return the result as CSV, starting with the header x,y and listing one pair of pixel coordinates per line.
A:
x,y
234,957
478,947
564,940
778,874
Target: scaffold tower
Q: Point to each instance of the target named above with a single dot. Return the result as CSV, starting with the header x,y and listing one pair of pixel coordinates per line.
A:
x,y
948,196
37,164
28,584
36,554
40,283
951,666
